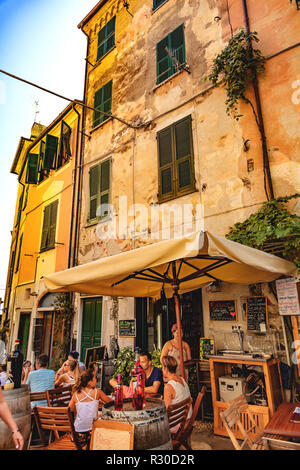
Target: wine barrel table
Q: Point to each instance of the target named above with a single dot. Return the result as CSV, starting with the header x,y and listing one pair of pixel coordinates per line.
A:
x,y
151,425
18,401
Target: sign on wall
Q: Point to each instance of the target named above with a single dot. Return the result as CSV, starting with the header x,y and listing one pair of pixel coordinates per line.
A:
x,y
222,310
256,313
127,328
287,294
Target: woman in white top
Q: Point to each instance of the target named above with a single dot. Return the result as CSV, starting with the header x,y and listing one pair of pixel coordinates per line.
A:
x,y
85,404
176,390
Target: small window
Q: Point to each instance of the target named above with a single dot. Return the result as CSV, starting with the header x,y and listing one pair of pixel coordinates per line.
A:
x,y
170,54
49,226
43,172
102,101
32,169
175,160
50,152
65,145
99,190
106,38
157,3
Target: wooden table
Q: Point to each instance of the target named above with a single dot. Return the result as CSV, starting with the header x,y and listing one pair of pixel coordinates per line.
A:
x,y
280,423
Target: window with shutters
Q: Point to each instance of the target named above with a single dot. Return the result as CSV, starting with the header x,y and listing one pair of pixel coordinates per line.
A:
x,y
19,253
157,3
50,152
64,145
99,191
20,207
170,54
176,160
32,169
106,38
49,227
102,101
11,267
43,173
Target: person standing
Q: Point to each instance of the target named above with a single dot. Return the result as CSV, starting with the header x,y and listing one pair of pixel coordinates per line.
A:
x,y
171,348
6,416
41,379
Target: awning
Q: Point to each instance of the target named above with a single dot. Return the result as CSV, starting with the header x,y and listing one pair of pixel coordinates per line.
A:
x,y
198,259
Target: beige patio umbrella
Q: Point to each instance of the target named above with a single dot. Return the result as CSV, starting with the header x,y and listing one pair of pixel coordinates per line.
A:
x,y
177,266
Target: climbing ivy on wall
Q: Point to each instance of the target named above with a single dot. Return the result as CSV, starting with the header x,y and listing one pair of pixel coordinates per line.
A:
x,y
272,228
235,68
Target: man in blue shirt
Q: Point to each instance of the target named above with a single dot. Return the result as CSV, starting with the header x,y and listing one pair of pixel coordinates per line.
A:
x,y
154,382
41,379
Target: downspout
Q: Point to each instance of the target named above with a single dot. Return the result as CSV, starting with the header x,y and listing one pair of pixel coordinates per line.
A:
x,y
72,242
79,195
267,173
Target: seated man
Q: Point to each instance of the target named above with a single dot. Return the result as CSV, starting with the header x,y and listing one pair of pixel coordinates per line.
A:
x,y
41,379
154,382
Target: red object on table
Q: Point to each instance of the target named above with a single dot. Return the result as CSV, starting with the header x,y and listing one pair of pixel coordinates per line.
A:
x,y
280,422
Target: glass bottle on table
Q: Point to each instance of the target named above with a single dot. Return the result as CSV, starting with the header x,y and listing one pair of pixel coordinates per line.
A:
x,y
138,395
119,395
138,370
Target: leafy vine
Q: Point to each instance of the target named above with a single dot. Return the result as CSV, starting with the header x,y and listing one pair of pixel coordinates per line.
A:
x,y
235,68
64,309
272,228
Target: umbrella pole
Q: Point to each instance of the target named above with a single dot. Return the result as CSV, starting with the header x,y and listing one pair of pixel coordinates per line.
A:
x,y
178,321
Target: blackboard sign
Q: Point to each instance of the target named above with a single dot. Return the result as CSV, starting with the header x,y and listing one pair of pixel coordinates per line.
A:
x,y
256,312
222,310
94,354
206,348
127,328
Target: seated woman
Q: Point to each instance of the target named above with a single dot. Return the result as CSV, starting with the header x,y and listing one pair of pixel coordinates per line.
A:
x,y
68,374
85,404
176,388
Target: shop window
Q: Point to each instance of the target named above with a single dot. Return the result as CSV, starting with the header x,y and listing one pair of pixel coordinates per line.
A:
x,y
170,54
49,227
99,190
175,160
106,38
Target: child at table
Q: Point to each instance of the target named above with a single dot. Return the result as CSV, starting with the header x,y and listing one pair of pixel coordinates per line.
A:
x,y
85,404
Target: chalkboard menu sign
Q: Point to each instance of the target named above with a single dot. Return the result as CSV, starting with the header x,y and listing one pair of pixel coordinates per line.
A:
x,y
206,348
256,312
222,310
127,328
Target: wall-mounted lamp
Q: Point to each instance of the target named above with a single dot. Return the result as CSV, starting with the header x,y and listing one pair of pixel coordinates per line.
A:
x,y
34,294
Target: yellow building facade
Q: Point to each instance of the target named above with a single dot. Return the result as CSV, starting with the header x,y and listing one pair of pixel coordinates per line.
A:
x,y
43,235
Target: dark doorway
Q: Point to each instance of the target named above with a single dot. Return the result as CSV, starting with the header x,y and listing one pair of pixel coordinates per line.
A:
x,y
23,332
141,340
91,325
191,318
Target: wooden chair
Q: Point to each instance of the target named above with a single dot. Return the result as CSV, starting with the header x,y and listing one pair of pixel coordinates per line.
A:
x,y
35,397
276,442
177,416
187,431
60,396
231,417
60,421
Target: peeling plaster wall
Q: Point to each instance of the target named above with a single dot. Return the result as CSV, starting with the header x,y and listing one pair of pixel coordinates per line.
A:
x,y
225,188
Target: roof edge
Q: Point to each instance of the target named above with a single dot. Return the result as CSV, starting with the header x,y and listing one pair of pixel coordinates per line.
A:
x,y
91,13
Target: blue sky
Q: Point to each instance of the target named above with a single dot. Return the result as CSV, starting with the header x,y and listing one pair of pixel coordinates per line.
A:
x,y
39,41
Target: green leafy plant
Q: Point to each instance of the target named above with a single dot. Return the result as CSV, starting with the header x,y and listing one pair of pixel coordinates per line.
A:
x,y
235,68
123,364
272,228
156,358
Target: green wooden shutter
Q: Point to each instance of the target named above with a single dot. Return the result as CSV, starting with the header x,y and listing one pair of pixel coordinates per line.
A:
x,y
166,170
11,269
184,154
50,152
19,253
102,101
175,44
94,185
104,188
32,169
157,3
20,208
49,226
66,135
106,38
42,172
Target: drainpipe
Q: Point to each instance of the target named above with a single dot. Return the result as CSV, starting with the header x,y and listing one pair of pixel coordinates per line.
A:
x,y
72,242
80,173
267,173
